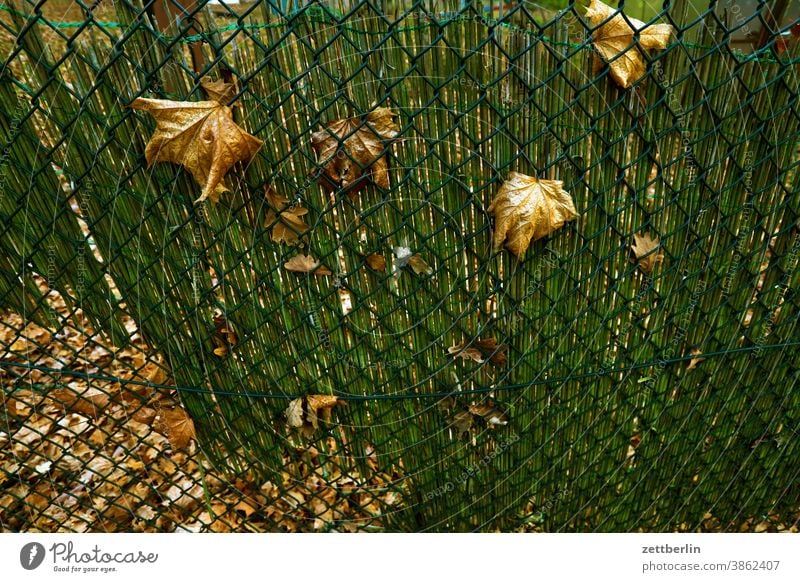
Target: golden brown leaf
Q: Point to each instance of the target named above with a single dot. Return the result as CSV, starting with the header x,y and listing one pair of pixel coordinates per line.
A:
x,y
347,148
289,223
614,41
176,425
479,350
306,264
647,251
376,262
527,209
201,136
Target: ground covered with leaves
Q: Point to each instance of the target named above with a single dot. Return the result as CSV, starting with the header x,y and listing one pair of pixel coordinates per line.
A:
x,y
93,449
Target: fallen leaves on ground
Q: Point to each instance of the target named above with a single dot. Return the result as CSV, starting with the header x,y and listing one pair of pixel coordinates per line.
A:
x,y
614,39
348,148
306,264
201,136
113,456
647,250
479,350
526,209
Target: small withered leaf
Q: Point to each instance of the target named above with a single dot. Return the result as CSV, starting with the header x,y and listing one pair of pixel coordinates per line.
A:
x,y
419,266
490,412
176,425
305,413
306,264
224,337
480,350
647,250
287,224
695,361
376,262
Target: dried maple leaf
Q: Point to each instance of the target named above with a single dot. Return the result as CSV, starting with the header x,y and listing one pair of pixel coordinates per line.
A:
x,y
614,41
526,209
647,251
347,148
288,224
176,425
304,413
201,136
306,264
479,350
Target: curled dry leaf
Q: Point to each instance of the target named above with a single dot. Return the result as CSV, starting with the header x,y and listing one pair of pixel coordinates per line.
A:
x,y
288,224
176,425
201,136
647,251
490,412
224,337
463,418
376,262
305,413
614,41
695,361
479,350
527,209
346,148
306,264
419,266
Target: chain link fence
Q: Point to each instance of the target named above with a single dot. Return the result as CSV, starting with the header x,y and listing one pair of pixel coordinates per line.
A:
x,y
415,266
